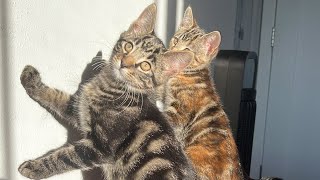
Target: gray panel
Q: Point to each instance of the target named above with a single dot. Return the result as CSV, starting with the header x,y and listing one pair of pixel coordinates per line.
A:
x,y
262,85
171,20
292,145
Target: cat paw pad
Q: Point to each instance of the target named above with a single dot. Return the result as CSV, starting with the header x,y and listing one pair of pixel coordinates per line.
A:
x,y
27,169
30,77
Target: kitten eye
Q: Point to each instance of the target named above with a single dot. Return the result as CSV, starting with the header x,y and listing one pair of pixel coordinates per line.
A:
x,y
128,47
174,41
145,66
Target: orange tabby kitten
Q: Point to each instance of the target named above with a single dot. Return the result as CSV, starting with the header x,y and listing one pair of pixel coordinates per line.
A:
x,y
194,108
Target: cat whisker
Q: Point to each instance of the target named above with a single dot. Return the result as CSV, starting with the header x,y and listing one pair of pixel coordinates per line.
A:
x,y
125,99
129,96
98,67
98,62
134,96
124,92
141,101
131,100
138,98
140,108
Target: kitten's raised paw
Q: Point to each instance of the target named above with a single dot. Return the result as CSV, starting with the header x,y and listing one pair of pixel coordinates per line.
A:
x,y
30,77
28,169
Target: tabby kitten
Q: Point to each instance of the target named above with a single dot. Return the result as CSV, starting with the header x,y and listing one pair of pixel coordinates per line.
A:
x,y
122,132
194,108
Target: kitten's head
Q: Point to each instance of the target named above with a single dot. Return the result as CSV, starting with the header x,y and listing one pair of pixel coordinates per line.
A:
x,y
191,37
139,58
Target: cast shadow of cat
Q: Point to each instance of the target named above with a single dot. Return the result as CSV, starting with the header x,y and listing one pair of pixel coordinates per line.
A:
x,y
73,134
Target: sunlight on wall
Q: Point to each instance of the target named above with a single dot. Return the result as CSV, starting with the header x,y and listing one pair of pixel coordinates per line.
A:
x,y
59,38
2,133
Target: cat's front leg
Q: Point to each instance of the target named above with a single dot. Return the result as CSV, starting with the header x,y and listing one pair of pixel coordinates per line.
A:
x,y
81,155
58,103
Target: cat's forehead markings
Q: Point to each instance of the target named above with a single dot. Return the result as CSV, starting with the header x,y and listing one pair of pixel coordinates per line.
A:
x,y
138,41
151,57
156,51
146,37
121,40
190,34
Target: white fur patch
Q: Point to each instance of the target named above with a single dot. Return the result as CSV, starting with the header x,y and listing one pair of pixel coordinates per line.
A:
x,y
160,106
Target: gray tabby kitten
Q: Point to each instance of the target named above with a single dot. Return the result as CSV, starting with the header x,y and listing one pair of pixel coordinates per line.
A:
x,y
122,131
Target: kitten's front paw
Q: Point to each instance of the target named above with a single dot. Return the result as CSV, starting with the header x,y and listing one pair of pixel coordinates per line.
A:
x,y
30,78
29,169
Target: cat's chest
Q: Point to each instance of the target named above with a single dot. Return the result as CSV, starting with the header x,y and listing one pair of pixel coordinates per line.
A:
x,y
182,105
111,115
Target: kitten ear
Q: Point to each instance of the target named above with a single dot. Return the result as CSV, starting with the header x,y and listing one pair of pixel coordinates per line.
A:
x,y
211,42
176,61
145,23
99,54
188,21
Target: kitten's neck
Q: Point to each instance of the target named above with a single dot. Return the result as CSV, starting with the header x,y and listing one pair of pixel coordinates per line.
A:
x,y
197,81
115,90
189,76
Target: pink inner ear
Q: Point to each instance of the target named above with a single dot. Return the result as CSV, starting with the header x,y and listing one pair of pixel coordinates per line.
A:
x,y
176,62
210,46
176,67
212,42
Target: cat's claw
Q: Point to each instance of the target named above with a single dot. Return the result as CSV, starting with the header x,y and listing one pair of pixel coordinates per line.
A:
x,y
27,169
30,77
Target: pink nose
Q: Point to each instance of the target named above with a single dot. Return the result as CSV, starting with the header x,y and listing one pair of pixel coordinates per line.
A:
x,y
127,61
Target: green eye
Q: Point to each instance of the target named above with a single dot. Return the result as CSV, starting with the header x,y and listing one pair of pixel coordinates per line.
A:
x,y
128,47
145,66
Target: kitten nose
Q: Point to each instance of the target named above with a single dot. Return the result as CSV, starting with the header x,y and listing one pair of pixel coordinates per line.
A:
x,y
127,62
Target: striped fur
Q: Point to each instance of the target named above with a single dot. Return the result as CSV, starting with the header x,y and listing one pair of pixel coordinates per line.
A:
x,y
194,108
122,132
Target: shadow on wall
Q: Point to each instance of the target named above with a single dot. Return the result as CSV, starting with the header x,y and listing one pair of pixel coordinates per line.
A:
x,y
72,134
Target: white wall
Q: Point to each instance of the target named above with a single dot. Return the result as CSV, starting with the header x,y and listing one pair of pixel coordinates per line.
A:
x,y
3,159
2,133
59,38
